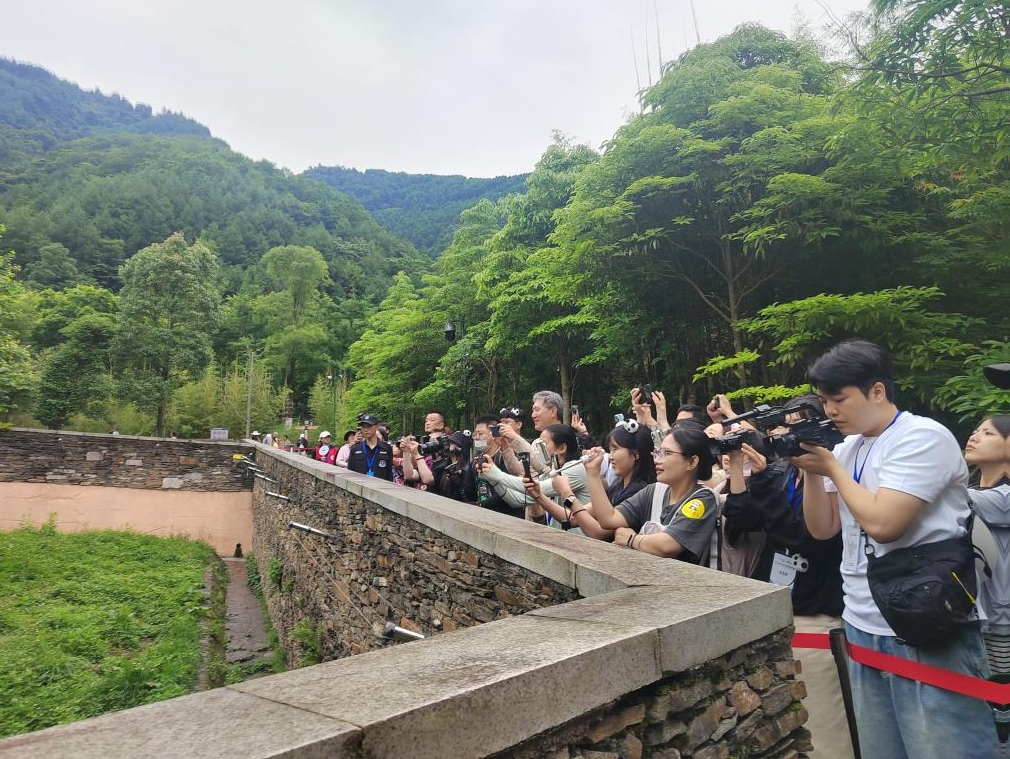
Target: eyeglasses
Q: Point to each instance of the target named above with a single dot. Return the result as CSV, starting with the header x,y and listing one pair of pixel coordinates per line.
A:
x,y
661,453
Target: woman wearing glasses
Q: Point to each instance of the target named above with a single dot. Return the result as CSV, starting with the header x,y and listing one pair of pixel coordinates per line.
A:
x,y
674,517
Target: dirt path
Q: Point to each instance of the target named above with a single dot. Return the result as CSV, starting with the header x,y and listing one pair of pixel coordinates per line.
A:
x,y
245,626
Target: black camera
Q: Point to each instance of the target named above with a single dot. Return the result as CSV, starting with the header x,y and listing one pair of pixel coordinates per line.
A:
x,y
524,459
813,428
434,447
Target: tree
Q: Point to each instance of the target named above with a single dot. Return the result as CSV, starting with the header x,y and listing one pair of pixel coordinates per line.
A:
x,y
16,373
167,309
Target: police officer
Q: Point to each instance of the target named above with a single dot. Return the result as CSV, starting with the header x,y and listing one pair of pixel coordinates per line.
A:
x,y
372,456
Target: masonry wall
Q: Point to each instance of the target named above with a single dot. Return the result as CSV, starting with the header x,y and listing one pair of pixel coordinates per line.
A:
x,y
151,485
377,567
618,655
79,458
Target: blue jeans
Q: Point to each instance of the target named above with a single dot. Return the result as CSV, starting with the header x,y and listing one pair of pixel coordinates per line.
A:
x,y
904,719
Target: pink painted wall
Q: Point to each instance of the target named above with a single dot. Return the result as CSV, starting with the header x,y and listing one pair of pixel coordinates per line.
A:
x,y
220,519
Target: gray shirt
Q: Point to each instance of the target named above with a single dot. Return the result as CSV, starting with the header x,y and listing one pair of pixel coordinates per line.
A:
x,y
690,521
992,506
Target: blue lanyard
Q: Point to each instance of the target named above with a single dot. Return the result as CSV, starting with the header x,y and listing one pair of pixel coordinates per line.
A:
x,y
857,476
795,498
370,460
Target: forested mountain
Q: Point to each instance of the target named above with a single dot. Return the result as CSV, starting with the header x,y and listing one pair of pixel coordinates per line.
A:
x,y
421,208
39,110
87,182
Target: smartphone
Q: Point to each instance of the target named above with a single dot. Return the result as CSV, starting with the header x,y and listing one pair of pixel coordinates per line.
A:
x,y
575,410
495,430
646,393
524,459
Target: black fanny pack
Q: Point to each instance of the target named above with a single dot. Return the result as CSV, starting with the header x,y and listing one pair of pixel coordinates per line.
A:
x,y
926,593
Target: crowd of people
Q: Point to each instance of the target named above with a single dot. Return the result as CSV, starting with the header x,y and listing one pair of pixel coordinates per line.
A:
x,y
824,520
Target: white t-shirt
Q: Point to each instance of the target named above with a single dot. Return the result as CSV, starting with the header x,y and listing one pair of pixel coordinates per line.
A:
x,y
915,455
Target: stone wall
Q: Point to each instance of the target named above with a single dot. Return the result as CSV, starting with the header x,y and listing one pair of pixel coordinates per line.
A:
x,y
79,458
746,703
377,567
652,657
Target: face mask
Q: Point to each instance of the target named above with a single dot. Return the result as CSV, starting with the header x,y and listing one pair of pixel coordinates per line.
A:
x,y
480,445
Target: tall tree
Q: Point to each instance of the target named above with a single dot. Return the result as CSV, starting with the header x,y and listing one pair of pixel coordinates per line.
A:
x,y
167,309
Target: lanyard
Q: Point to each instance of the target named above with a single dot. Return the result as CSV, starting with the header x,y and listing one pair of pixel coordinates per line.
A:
x,y
370,460
857,476
795,498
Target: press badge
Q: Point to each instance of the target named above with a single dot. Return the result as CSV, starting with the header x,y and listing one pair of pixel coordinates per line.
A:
x,y
783,570
851,535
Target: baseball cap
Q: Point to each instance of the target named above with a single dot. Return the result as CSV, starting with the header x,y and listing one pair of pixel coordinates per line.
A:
x,y
368,419
324,433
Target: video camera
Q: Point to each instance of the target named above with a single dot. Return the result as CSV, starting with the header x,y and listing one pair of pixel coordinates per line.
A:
x,y
813,428
436,447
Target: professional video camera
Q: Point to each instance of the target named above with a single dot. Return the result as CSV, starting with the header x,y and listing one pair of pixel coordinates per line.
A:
x,y
436,447
813,427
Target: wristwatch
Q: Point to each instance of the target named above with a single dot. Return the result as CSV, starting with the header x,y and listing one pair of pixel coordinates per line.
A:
x,y
569,501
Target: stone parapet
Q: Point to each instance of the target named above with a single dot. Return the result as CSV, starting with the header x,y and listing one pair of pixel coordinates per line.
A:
x,y
623,654
123,461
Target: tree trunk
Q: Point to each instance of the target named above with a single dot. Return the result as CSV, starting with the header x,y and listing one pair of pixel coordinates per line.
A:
x,y
733,301
565,369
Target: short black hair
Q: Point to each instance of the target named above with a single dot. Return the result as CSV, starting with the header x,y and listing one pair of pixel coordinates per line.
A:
x,y
489,419
639,441
853,362
349,434
697,413
564,434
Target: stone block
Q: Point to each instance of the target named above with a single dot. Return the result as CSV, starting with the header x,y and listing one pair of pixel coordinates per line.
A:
x,y
615,723
777,698
630,747
700,728
171,483
134,462
711,752
761,679
743,699
94,456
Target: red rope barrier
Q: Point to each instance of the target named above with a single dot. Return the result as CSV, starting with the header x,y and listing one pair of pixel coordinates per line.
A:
x,y
966,685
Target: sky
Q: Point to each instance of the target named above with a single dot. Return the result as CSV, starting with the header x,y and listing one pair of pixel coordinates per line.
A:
x,y
441,87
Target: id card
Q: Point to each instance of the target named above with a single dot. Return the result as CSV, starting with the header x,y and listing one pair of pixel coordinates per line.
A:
x,y
783,570
851,540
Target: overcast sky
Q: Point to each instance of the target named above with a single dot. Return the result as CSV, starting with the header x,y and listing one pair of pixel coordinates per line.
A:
x,y
444,87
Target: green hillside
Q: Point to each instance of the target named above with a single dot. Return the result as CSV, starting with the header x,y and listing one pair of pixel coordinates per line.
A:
x,y
421,208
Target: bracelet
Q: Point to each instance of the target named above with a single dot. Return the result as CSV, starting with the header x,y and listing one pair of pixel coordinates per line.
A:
x,y
635,547
575,513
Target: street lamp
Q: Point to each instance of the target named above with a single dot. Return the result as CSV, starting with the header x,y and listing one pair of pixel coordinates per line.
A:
x,y
449,330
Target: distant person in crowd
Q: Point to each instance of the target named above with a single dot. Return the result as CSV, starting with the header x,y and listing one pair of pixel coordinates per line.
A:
x,y
434,421
268,439
988,452
693,412
562,453
350,438
303,441
458,479
325,451
769,503
510,426
897,481
423,470
255,435
547,410
675,517
372,456
495,447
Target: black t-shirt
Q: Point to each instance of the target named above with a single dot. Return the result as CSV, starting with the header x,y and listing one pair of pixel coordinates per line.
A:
x,y
375,462
619,492
488,498
773,502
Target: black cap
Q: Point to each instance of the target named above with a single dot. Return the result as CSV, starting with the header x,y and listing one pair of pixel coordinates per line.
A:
x,y
462,440
367,419
511,412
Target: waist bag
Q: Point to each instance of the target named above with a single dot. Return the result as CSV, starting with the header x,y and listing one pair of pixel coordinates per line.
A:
x,y
925,592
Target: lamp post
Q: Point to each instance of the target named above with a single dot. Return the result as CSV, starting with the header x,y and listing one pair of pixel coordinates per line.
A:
x,y
449,330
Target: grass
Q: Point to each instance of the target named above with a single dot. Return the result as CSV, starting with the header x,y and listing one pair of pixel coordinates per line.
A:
x,y
93,622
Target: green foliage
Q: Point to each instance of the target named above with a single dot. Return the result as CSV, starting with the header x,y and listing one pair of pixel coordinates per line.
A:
x,y
93,622
968,393
167,305
16,371
308,635
421,208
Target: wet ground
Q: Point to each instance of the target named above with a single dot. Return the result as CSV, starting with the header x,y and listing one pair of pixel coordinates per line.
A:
x,y
245,626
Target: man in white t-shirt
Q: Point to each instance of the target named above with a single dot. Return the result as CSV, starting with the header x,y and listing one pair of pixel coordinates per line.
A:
x,y
898,480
